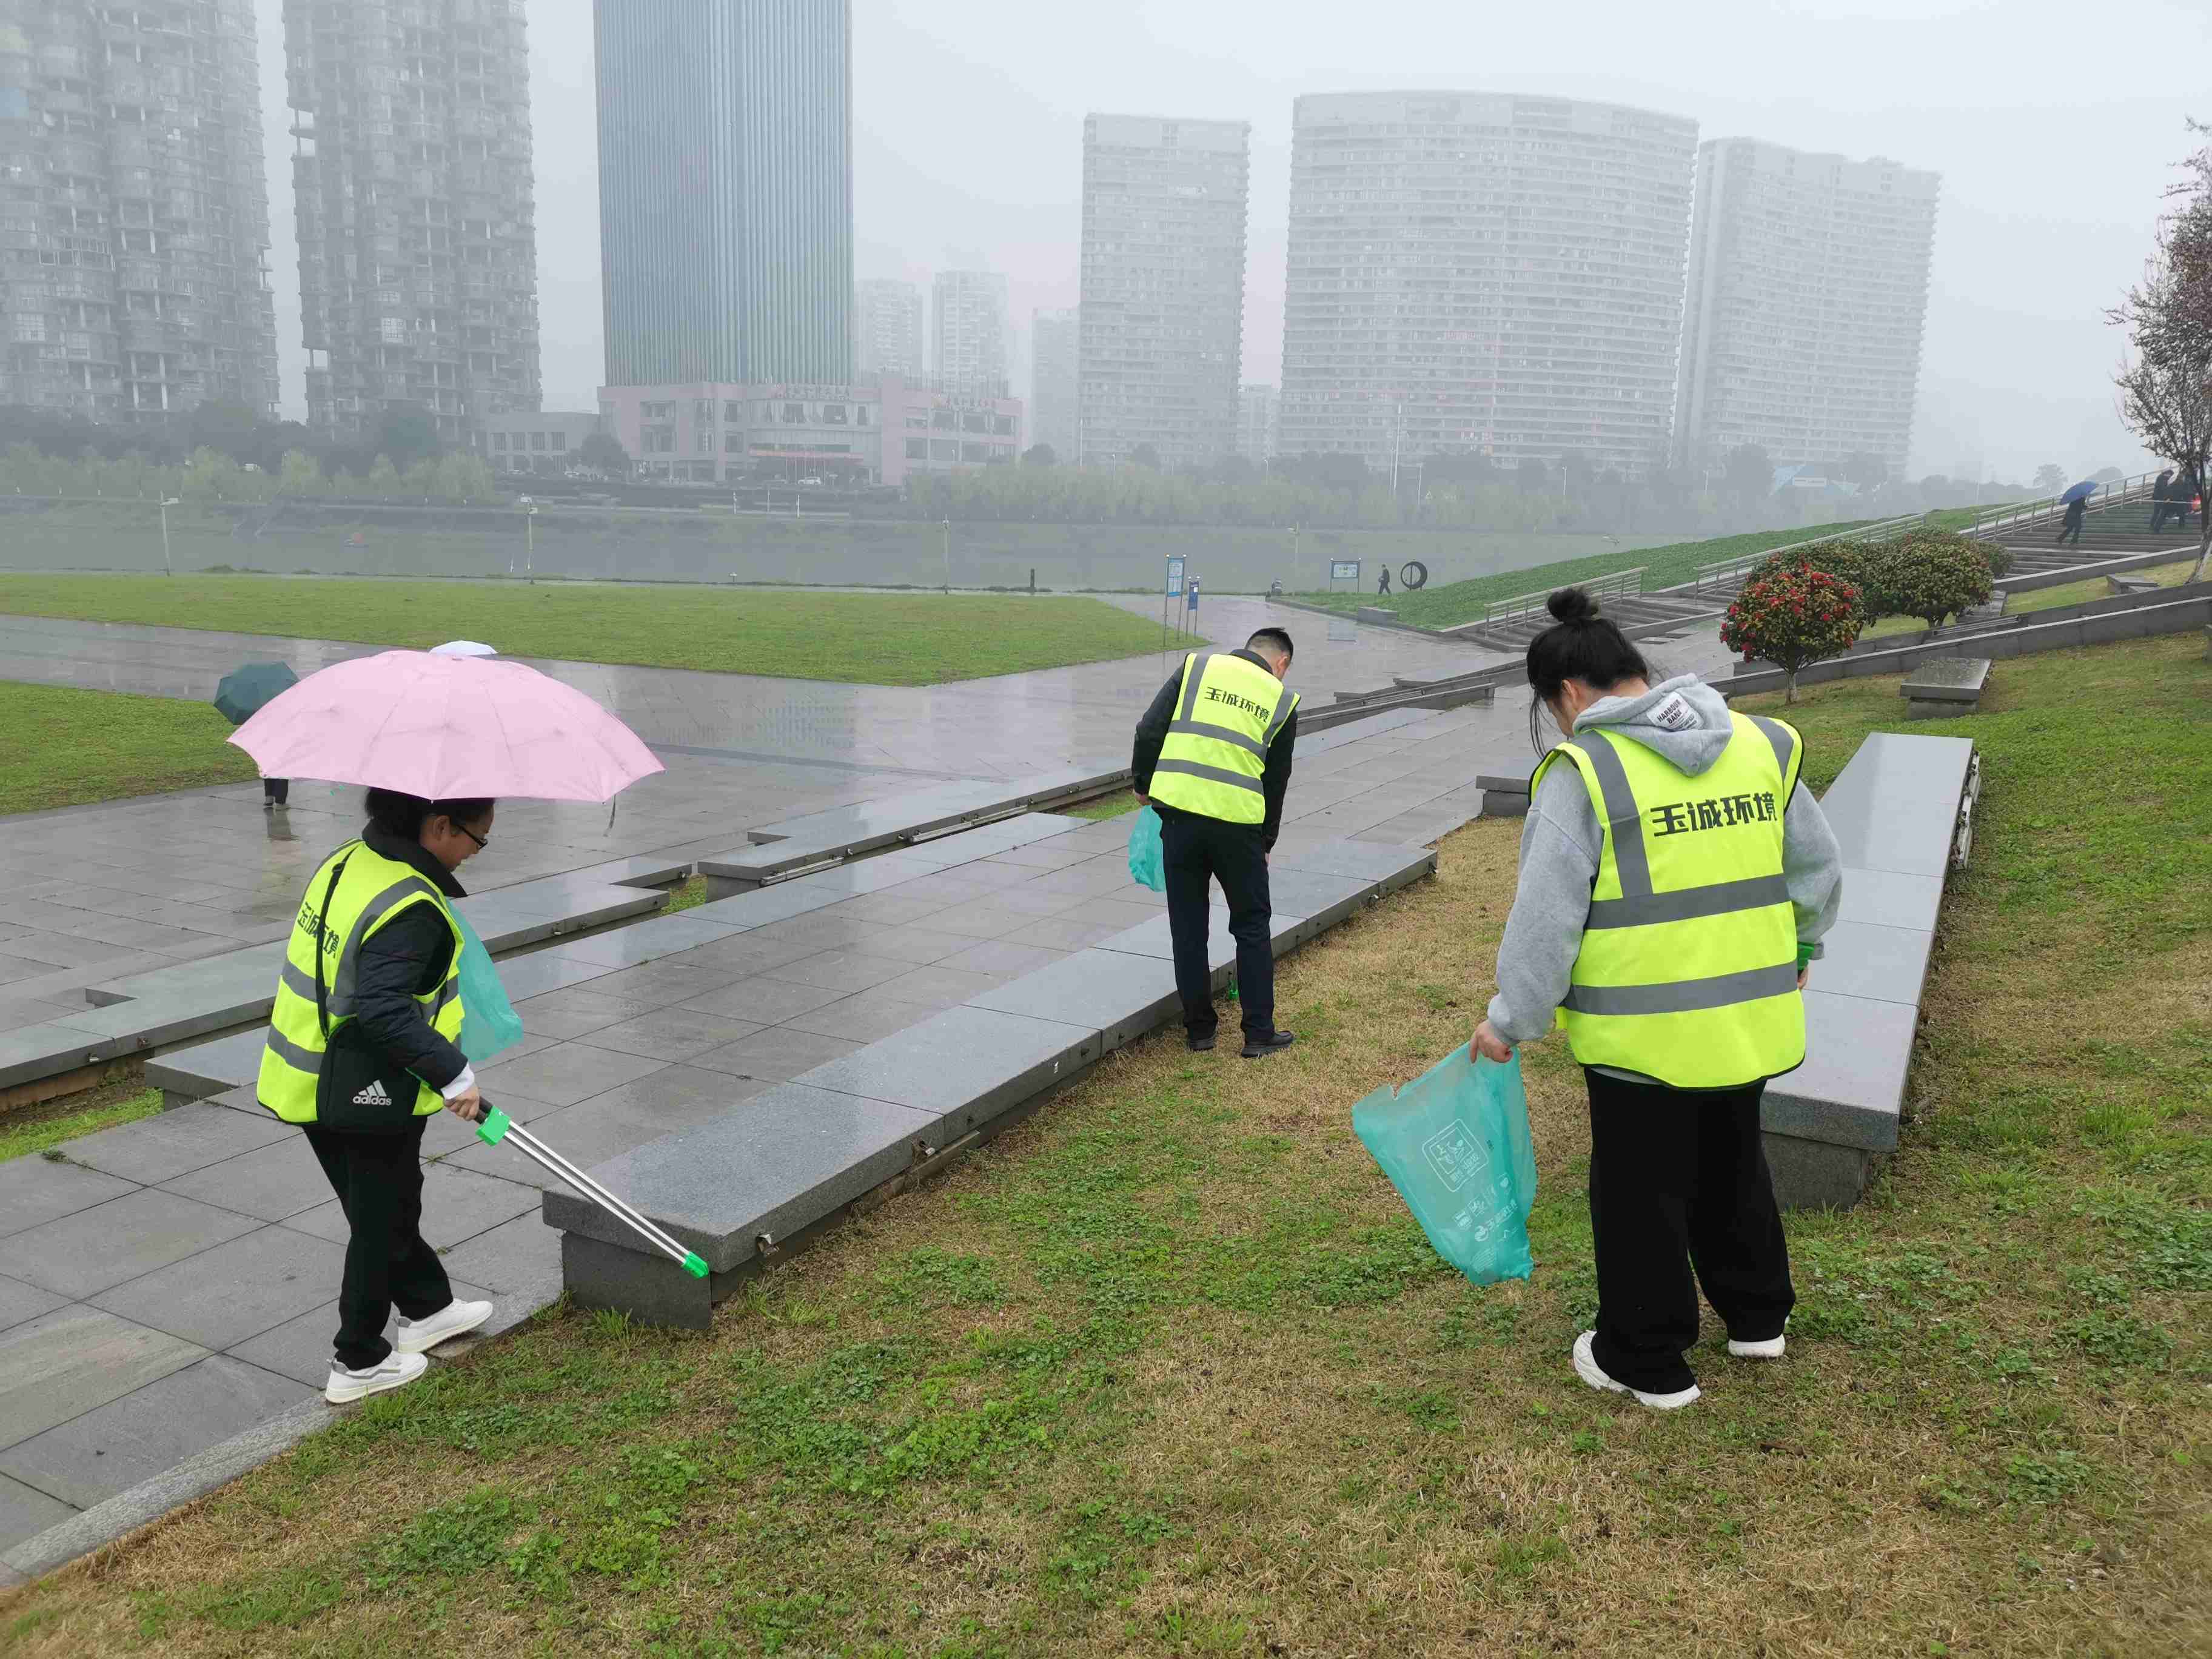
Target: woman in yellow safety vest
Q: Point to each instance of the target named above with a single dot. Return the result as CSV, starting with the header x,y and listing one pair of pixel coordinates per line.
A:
x,y
1674,884
362,1051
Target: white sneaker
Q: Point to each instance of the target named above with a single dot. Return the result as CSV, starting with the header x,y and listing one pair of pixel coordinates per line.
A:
x,y
1587,1368
420,1335
397,1371
1769,1349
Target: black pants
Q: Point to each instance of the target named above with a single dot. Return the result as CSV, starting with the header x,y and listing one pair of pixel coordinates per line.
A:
x,y
276,791
1194,850
2072,527
1679,1179
379,1181
2160,510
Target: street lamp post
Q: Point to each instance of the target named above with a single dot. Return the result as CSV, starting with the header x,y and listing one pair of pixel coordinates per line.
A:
x,y
948,557
530,541
167,501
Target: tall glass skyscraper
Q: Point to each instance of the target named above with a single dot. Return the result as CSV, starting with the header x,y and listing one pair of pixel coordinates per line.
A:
x,y
725,189
1486,274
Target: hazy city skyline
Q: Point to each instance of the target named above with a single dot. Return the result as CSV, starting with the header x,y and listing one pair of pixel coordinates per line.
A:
x,y
968,138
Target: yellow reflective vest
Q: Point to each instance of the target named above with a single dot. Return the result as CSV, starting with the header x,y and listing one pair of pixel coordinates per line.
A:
x,y
1227,712
1688,966
372,890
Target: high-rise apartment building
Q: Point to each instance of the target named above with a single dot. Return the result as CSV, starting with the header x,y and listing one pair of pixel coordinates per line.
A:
x,y
1481,273
725,189
1162,292
1808,287
134,211
418,253
1054,347
968,323
887,333
1258,420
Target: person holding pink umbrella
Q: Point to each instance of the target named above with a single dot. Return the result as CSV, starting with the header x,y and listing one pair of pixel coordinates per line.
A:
x,y
364,1042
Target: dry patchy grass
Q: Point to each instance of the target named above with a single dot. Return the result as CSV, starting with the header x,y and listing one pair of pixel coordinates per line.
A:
x,y
1168,1369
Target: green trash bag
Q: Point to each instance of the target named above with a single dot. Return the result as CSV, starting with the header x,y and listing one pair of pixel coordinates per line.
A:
x,y
1454,1143
488,1022
1147,864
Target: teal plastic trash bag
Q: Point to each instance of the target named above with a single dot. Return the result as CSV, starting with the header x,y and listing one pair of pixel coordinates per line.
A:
x,y
488,1022
1454,1143
1147,864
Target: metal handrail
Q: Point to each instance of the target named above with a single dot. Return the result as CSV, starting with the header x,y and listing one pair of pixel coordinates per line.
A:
x,y
2106,495
1620,585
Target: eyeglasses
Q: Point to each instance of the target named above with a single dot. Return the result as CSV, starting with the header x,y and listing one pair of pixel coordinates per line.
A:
x,y
482,842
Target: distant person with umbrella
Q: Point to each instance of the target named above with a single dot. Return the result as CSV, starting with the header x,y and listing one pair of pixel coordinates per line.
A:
x,y
243,693
2077,509
2161,488
364,1043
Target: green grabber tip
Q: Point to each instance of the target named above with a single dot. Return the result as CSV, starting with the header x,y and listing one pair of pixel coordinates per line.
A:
x,y
494,1127
694,1264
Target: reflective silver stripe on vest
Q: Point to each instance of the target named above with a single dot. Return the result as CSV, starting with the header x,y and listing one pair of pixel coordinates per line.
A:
x,y
350,959
1622,813
1193,672
300,982
1719,899
302,985
304,1060
1213,774
1778,735
1217,734
449,992
1284,709
1683,996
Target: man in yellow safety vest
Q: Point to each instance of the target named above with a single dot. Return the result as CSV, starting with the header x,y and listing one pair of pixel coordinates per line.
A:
x,y
1212,758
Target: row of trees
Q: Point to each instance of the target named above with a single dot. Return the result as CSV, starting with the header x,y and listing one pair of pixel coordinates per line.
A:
x,y
1808,603
209,477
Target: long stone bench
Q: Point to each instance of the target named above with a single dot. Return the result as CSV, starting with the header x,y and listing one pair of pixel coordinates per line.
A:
x,y
1943,688
789,1161
795,846
1896,809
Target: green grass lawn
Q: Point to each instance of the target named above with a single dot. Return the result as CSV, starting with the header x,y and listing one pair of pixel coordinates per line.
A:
x,y
1168,1369
65,746
124,1101
870,638
1458,602
1106,807
2049,599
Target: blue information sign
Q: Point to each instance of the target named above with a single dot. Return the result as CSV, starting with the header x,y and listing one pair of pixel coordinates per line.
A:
x,y
1174,576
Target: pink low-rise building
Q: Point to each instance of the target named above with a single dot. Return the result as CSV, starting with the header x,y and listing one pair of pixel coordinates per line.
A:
x,y
881,432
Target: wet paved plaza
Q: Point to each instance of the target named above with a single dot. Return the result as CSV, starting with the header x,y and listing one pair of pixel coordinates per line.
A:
x,y
170,1284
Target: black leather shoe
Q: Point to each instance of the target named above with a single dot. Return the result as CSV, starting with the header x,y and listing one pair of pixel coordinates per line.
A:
x,y
1197,1042
1273,1043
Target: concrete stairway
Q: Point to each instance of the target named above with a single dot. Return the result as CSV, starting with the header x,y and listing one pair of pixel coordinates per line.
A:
x,y
1640,616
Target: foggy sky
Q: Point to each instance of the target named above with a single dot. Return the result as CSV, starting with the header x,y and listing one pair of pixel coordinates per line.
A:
x,y
2055,127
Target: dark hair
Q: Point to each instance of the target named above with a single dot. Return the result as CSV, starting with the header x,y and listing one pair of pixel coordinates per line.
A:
x,y
1579,645
1272,639
403,815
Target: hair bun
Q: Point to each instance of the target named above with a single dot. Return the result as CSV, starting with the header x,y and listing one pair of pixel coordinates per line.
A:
x,y
1571,604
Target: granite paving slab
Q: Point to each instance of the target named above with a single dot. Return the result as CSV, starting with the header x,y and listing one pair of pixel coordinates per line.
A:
x,y
211,1068
565,1073
62,1365
521,1257
1116,994
116,1446
1887,964
839,970
25,1513
20,1301
568,1014
1887,898
1850,1089
864,1017
37,1190
1895,803
235,1290
763,1001
777,1054
917,943
673,1034
270,1182
84,1253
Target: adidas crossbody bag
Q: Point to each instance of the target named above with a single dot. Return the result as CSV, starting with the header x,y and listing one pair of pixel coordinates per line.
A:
x,y
359,1089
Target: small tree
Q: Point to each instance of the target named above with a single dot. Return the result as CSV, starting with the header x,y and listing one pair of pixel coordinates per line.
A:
x,y
1933,574
2049,480
1145,455
1040,455
601,452
1793,616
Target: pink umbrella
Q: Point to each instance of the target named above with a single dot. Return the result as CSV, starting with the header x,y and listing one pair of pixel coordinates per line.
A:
x,y
444,728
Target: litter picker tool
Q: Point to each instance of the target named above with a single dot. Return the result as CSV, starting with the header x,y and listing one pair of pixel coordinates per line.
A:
x,y
498,1127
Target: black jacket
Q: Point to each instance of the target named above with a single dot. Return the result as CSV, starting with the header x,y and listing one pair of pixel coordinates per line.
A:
x,y
1152,731
407,957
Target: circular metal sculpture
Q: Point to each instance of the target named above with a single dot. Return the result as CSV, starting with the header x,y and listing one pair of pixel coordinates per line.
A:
x,y
1414,575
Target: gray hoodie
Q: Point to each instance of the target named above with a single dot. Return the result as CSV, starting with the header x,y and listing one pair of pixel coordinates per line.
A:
x,y
1560,844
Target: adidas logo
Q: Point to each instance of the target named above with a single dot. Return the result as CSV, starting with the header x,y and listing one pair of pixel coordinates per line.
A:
x,y
373,1096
